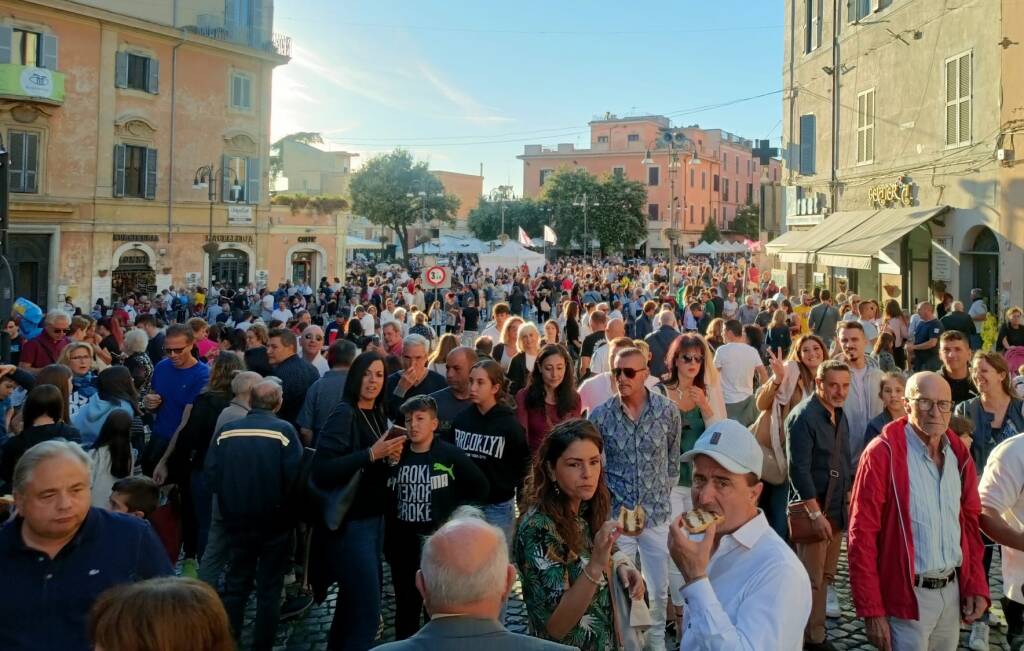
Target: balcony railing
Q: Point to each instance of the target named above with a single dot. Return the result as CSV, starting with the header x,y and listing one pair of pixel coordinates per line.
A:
x,y
31,83
272,43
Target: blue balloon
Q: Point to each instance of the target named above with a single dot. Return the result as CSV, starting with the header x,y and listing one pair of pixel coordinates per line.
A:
x,y
31,316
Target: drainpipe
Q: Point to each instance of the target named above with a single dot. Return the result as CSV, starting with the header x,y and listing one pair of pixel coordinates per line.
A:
x,y
170,176
834,182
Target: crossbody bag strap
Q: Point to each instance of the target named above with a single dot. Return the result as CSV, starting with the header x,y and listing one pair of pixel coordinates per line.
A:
x,y
833,472
821,320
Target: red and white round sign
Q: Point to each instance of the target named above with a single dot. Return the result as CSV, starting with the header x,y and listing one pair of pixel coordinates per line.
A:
x,y
436,276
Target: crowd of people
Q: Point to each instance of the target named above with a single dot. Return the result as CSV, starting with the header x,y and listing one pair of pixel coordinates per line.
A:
x,y
558,427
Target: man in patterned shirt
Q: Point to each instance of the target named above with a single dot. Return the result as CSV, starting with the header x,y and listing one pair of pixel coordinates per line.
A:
x,y
641,433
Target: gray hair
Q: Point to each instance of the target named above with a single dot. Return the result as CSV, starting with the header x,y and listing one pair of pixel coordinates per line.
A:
x,y
244,381
666,318
44,451
136,341
450,584
265,395
415,340
54,315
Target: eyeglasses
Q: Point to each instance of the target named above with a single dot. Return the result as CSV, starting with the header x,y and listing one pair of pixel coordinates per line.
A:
x,y
61,331
926,404
80,358
630,373
175,351
692,359
317,337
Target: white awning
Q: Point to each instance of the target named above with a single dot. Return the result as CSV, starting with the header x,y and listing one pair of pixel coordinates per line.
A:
x,y
858,248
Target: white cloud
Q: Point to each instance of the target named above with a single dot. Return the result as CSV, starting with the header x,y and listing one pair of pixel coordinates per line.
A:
x,y
472,110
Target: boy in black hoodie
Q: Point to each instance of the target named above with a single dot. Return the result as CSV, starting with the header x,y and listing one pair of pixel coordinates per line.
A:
x,y
432,478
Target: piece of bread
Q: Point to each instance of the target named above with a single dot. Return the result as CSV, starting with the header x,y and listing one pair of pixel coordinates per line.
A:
x,y
632,521
698,520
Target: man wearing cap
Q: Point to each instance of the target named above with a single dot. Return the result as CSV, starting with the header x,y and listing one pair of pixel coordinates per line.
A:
x,y
736,573
820,474
978,313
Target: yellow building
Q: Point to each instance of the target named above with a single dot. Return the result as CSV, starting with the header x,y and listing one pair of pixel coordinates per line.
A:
x,y
139,139
305,169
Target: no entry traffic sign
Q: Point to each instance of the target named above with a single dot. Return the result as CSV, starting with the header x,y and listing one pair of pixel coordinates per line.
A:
x,y
436,276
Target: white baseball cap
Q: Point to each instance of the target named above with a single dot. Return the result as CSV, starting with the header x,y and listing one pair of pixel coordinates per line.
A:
x,y
732,445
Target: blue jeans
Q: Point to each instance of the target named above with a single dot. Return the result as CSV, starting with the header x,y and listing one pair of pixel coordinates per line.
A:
x,y
215,554
353,555
263,556
503,516
774,503
975,340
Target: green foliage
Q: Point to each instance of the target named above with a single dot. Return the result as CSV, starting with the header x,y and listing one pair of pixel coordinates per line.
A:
x,y
277,158
710,234
614,215
321,204
380,192
485,220
747,221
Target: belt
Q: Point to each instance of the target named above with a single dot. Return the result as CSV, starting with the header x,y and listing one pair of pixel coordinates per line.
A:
x,y
932,583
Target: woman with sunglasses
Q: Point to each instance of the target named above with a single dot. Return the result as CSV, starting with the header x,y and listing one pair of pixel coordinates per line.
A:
x,y
353,442
565,542
80,358
549,397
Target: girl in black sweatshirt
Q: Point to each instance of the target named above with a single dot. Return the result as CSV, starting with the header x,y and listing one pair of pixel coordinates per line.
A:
x,y
488,432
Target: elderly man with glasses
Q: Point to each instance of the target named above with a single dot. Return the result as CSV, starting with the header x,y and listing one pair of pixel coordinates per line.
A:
x,y
312,349
914,544
45,348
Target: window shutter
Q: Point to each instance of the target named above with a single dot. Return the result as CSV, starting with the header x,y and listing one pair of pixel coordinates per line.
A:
x,y
225,178
121,70
807,135
253,180
964,109
247,92
49,52
120,154
869,131
150,192
31,168
231,18
6,34
16,165
236,90
153,84
861,101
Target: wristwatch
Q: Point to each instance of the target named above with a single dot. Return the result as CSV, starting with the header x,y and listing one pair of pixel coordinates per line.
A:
x,y
813,515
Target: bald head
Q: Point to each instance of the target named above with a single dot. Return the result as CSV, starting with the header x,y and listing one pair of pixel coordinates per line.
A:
x,y
666,318
267,394
616,328
931,390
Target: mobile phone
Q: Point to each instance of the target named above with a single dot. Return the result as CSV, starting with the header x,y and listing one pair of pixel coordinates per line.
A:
x,y
396,431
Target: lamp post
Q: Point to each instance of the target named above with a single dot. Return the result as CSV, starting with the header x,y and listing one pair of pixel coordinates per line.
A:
x,y
7,286
503,195
423,195
206,178
584,201
676,140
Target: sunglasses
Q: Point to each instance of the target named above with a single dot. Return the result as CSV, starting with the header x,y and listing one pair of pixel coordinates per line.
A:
x,y
62,331
175,351
692,359
630,373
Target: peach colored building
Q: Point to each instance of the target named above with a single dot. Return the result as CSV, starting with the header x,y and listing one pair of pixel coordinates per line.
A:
x,y
467,187
111,109
709,187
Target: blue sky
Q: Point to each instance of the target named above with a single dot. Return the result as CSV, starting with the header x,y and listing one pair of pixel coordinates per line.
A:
x,y
462,83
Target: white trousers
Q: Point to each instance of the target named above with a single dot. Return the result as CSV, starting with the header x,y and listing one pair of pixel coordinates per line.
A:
x,y
652,545
682,501
938,626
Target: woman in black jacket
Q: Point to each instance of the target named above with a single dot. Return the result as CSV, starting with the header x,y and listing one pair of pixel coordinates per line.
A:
x,y
43,415
353,442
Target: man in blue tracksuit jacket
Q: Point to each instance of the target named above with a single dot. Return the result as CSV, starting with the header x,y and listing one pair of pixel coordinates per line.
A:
x,y
251,466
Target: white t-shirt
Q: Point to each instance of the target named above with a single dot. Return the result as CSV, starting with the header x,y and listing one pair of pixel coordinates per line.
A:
x,y
599,362
598,389
369,327
320,364
870,329
1002,489
268,303
737,363
281,315
977,309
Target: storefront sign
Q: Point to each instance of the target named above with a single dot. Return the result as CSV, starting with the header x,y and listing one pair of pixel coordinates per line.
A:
x,y
101,288
899,192
136,237
942,262
262,277
240,215
29,81
244,239
192,279
307,238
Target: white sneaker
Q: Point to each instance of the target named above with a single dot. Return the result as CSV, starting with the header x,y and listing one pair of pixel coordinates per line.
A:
x,y
832,603
979,636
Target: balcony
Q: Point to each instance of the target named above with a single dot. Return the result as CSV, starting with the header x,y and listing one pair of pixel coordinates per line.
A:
x,y
31,84
271,43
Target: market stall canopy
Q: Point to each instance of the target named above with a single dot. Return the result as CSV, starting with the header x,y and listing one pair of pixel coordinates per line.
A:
x,y
701,249
427,248
467,245
721,247
511,255
353,242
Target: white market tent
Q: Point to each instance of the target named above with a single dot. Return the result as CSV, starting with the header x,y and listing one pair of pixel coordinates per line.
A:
x,y
720,247
701,249
512,254
353,242
453,244
739,247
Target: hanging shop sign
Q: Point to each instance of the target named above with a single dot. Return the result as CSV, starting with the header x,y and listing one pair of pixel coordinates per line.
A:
x,y
900,192
240,215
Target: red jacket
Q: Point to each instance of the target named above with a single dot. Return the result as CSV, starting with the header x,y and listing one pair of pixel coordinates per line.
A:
x,y
880,544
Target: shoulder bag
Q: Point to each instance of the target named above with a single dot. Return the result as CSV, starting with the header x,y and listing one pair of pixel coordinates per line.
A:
x,y
630,619
801,527
320,507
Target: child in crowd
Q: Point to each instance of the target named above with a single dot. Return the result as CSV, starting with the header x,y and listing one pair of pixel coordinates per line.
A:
x,y
140,496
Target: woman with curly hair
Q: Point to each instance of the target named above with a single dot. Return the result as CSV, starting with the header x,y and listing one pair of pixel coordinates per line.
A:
x,y
565,542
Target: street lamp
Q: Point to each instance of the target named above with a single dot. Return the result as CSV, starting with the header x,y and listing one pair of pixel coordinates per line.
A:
x,y
205,178
585,202
503,195
675,140
422,194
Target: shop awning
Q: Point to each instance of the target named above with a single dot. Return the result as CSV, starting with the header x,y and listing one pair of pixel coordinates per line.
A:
x,y
803,250
856,249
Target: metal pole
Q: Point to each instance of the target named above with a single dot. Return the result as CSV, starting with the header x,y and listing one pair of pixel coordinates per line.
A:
x,y
586,228
7,287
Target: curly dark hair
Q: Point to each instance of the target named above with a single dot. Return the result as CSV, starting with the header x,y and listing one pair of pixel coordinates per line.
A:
x,y
542,490
566,397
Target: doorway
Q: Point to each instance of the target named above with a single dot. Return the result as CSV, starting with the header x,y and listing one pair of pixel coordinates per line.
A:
x,y
30,264
984,267
230,267
302,267
134,273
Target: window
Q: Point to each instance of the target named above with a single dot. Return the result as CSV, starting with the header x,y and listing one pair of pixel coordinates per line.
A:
x,y
866,126
714,183
703,180
857,10
633,137
725,215
714,214
750,193
134,171
691,177
725,189
813,25
691,214
725,160
652,212
25,48
544,174
23,172
137,71
702,218
28,48
602,139
958,100
619,172
653,175
807,144
240,179
241,91
737,159
748,167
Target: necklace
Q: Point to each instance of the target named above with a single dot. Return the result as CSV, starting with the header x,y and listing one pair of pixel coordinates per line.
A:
x,y
372,425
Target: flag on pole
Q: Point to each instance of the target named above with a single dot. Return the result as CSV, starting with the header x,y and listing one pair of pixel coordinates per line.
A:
x,y
549,235
524,239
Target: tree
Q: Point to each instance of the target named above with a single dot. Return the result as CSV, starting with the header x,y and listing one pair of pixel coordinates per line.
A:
x,y
387,191
485,220
710,233
613,209
748,221
277,156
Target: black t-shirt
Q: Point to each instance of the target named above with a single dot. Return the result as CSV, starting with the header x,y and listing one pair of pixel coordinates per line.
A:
x,y
590,342
958,321
471,318
962,390
1014,336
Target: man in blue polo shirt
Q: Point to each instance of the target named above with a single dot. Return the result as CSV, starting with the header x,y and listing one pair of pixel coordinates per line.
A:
x,y
59,554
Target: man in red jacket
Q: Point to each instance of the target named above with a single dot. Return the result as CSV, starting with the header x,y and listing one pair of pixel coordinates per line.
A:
x,y
916,497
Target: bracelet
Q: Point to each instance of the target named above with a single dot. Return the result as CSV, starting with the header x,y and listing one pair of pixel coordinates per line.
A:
x,y
370,452
599,584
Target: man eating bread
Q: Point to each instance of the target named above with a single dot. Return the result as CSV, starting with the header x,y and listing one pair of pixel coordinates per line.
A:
x,y
745,588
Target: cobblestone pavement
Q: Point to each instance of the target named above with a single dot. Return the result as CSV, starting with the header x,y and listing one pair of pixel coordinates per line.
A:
x,y
309,633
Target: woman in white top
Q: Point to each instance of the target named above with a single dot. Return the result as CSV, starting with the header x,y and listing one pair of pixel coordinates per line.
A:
x,y
113,456
895,323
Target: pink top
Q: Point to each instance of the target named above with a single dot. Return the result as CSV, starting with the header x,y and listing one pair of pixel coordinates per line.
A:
x,y
207,347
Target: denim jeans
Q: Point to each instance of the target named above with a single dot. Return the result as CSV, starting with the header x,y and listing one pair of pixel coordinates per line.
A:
x,y
353,555
202,499
263,556
775,502
503,516
215,554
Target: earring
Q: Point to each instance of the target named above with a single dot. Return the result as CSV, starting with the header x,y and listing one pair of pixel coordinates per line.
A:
x,y
558,491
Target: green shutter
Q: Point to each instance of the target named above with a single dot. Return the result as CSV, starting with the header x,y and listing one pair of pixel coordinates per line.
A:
x,y
120,154
16,162
6,33
807,144
49,52
150,179
253,180
153,82
121,70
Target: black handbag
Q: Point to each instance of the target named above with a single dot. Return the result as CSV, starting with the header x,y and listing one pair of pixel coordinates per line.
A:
x,y
321,507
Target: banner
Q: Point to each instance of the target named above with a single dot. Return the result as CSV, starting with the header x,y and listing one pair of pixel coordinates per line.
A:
x,y
524,239
549,235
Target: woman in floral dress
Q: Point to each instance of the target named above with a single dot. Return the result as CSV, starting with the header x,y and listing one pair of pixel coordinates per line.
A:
x,y
564,566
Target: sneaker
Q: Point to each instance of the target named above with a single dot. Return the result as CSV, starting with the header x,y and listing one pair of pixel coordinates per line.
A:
x,y
832,603
979,636
190,569
295,605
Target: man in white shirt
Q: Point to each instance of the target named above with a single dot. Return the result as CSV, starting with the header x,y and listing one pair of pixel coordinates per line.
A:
x,y
267,305
738,362
601,362
978,313
864,401
282,313
745,588
597,389
312,349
